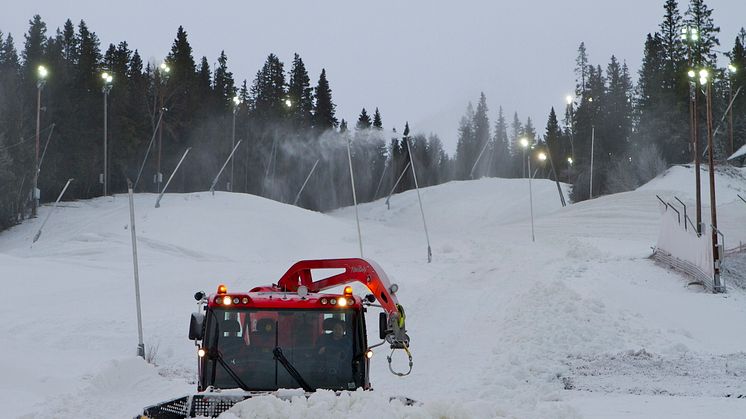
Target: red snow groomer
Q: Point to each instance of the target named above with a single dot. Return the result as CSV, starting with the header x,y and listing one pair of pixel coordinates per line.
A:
x,y
288,335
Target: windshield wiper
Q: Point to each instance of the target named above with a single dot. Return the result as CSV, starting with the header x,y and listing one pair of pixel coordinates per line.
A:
x,y
279,356
230,371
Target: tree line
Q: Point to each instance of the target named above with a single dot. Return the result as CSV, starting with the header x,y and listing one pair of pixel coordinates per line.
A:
x,y
289,129
635,130
155,111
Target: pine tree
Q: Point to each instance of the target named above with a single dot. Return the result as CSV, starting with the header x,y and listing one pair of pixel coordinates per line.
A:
x,y
363,121
406,182
323,115
268,93
552,140
481,137
672,47
300,94
466,140
500,153
738,59
34,47
516,151
203,88
377,122
224,86
581,70
618,109
699,16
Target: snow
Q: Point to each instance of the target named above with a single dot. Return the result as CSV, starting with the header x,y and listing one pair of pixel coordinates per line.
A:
x,y
579,323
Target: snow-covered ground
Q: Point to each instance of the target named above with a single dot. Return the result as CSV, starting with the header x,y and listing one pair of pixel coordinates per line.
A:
x,y
579,323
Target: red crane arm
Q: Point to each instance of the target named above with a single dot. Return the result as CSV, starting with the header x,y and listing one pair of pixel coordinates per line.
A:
x,y
365,271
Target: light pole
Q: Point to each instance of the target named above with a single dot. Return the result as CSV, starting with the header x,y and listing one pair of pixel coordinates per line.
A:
x,y
593,141
42,72
731,74
165,71
108,78
236,104
691,37
524,145
570,126
569,164
706,81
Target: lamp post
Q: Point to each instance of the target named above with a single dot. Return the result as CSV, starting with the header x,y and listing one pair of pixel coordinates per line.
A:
x,y
108,78
706,81
593,141
42,73
570,126
691,37
165,71
569,164
731,74
524,144
236,104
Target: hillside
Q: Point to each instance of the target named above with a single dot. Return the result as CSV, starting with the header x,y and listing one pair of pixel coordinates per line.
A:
x,y
579,323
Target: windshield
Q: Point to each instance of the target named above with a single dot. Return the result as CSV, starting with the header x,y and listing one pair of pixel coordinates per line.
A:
x,y
319,344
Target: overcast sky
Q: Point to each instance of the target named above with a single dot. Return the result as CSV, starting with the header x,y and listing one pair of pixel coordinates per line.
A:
x,y
420,61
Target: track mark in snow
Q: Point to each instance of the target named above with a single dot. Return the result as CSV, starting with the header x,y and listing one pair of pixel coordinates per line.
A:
x,y
643,373
180,251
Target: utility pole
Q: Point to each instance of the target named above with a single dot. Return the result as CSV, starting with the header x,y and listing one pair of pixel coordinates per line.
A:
x,y
730,122
106,89
236,103
165,70
713,209
39,86
593,141
691,36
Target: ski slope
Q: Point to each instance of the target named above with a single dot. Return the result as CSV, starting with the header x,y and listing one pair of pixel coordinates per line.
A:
x,y
579,323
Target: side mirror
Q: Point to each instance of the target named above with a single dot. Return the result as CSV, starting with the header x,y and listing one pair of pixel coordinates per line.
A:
x,y
196,326
383,325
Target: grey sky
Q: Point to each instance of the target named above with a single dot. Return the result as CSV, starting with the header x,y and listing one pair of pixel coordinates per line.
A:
x,y
416,60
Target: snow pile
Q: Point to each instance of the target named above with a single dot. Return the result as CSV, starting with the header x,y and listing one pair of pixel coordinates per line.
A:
x,y
354,405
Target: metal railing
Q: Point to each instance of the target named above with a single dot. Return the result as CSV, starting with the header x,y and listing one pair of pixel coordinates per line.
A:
x,y
713,284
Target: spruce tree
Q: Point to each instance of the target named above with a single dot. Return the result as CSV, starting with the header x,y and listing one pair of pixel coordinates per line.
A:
x,y
699,16
465,144
738,59
618,109
223,85
552,139
363,121
516,151
500,154
34,48
672,47
323,114
377,122
300,94
481,138
581,70
268,93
